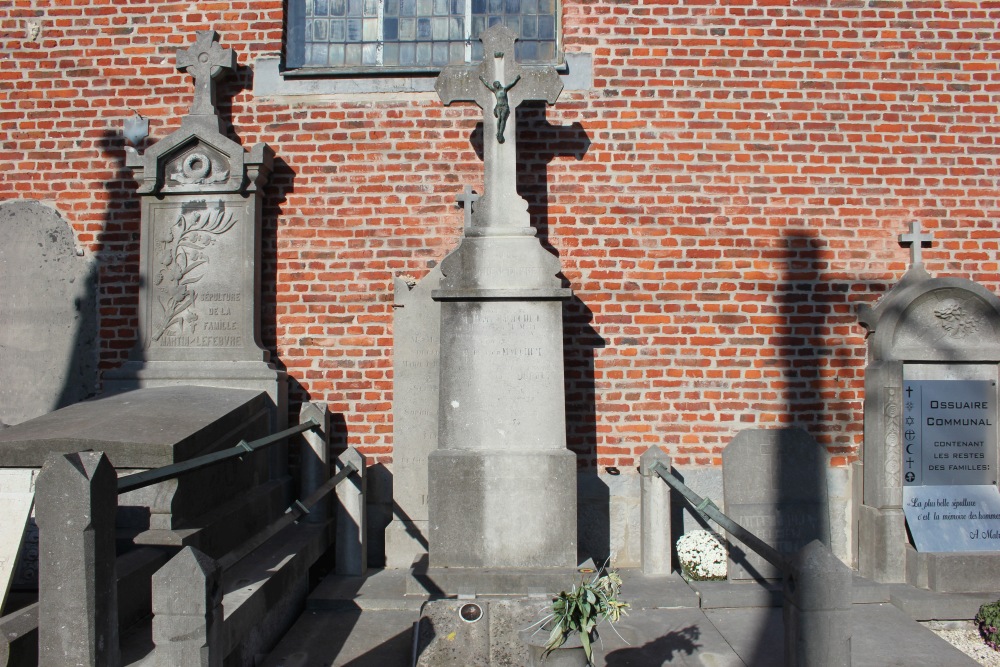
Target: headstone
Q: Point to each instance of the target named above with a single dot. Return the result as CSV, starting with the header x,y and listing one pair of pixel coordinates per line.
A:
x,y
416,340
16,498
774,485
930,454
200,250
502,483
48,324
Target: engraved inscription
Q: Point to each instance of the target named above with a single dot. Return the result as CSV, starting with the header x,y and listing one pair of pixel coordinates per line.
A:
x,y
181,252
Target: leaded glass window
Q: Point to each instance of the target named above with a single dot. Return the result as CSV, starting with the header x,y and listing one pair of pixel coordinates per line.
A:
x,y
413,35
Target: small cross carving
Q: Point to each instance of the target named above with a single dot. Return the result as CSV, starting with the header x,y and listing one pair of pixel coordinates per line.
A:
x,y
206,61
916,240
467,199
499,85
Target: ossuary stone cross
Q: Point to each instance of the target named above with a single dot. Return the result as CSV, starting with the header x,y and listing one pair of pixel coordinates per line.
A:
x,y
206,61
916,240
498,85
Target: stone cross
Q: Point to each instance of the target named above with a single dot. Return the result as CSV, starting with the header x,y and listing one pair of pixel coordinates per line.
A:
x,y
467,199
916,240
498,85
206,61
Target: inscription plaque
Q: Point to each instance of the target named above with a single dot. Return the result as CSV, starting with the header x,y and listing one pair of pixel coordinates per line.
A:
x,y
953,518
949,431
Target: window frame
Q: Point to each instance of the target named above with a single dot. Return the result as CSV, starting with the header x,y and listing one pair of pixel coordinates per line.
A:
x,y
295,24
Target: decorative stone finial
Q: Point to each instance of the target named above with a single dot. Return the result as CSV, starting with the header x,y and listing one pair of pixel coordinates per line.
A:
x,y
206,61
916,240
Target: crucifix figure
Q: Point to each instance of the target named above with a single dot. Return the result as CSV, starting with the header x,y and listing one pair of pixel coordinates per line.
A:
x,y
501,110
206,61
916,240
500,205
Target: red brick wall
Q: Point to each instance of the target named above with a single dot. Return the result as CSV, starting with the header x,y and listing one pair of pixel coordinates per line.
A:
x,y
721,201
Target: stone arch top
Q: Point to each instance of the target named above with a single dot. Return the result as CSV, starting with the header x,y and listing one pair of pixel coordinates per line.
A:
x,y
933,319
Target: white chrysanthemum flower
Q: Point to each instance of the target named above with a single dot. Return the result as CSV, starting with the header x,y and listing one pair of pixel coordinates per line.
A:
x,y
702,555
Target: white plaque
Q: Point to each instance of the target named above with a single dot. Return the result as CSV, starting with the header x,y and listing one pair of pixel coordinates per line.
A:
x,y
953,517
950,432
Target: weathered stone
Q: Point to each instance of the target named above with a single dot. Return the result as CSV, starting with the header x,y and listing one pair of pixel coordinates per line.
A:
x,y
817,609
200,253
416,327
775,487
78,601
187,612
501,414
657,539
48,329
314,458
352,527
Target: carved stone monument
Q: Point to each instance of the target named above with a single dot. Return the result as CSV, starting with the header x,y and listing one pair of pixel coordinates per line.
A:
x,y
199,301
930,455
502,483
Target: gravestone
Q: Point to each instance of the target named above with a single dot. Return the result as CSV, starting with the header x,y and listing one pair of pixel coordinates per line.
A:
x,y
930,456
48,329
200,251
502,484
774,485
416,328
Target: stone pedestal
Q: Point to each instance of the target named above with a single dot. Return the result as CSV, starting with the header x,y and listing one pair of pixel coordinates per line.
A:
x,y
502,483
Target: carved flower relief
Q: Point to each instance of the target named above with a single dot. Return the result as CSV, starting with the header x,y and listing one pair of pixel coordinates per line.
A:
x,y
955,320
197,168
180,251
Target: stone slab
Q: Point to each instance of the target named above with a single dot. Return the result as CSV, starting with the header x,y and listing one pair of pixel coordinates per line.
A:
x,y
768,593
881,635
145,428
924,605
416,328
361,639
16,499
452,581
774,483
476,524
380,590
953,572
48,318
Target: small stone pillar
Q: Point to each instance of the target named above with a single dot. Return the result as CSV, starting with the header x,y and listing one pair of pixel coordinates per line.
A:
x,y
352,533
657,539
314,459
817,609
187,611
76,499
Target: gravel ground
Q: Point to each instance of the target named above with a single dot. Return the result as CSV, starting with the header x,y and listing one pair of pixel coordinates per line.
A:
x,y
964,635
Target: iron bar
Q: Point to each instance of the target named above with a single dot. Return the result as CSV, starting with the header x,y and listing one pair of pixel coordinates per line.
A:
x,y
297,510
707,510
150,477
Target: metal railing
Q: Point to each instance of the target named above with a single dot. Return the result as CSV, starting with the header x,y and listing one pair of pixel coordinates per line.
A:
x,y
150,477
709,511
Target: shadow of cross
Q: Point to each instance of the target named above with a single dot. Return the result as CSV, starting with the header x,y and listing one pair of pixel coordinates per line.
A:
x,y
499,85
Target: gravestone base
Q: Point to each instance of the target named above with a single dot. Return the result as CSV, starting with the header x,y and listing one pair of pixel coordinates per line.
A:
x,y
503,510
882,534
466,581
405,541
953,572
256,375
